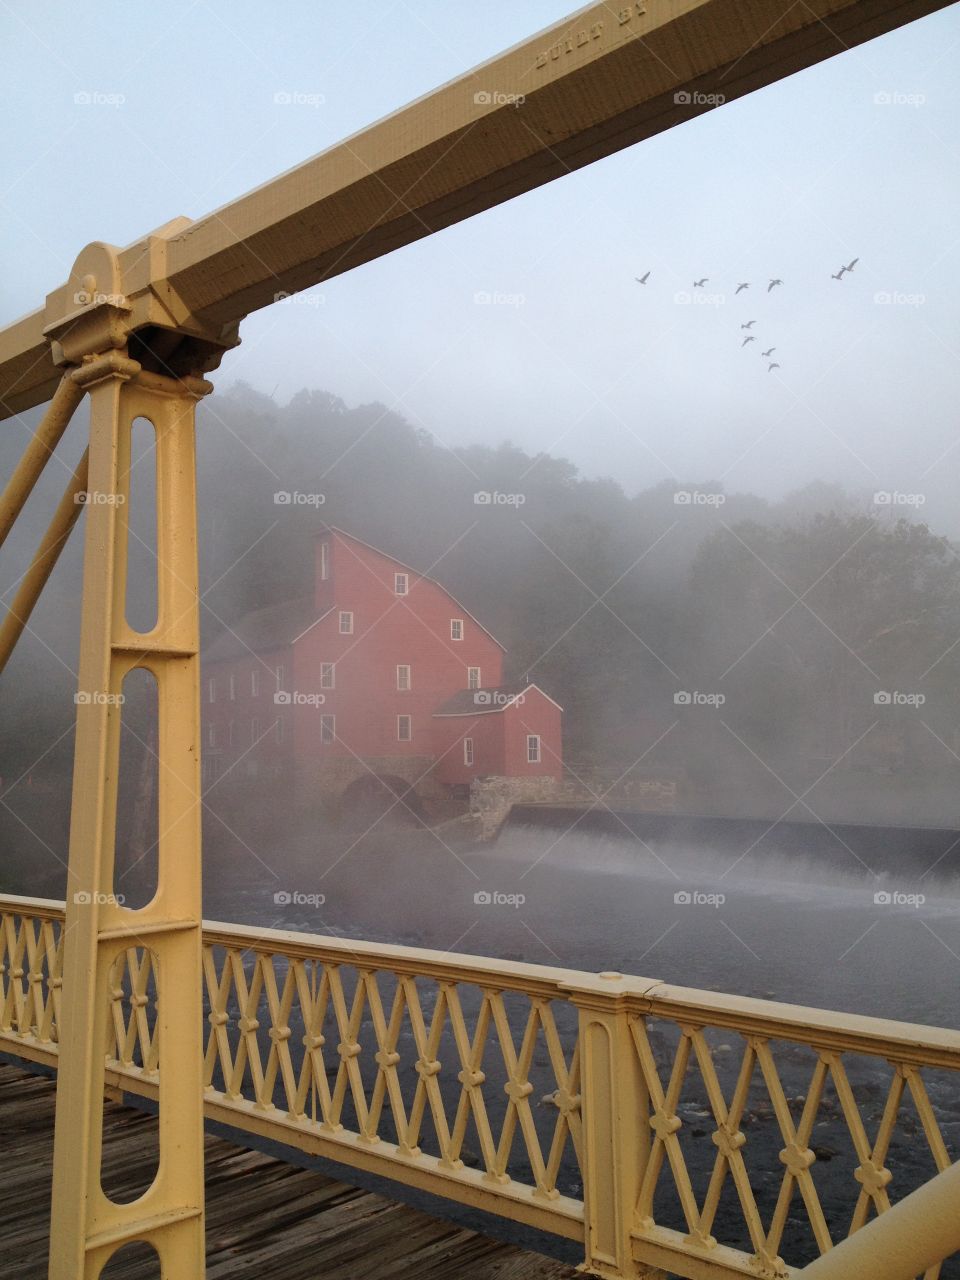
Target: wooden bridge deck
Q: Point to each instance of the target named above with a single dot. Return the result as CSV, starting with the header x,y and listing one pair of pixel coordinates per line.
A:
x,y
265,1219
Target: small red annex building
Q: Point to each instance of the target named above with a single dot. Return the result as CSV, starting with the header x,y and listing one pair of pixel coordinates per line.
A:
x,y
380,673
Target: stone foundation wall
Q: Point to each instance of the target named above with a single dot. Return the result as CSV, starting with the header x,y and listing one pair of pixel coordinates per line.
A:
x,y
491,800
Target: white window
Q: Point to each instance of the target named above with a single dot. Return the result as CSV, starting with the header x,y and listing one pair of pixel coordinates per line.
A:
x,y
456,628
327,675
255,682
324,560
233,687
346,624
473,677
230,734
533,748
279,730
403,677
211,690
328,728
279,675
468,751
212,735
401,584
254,730
404,728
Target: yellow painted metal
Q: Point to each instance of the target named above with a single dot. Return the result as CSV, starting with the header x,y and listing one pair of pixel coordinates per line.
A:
x,y
34,580
601,79
534,1065
911,1238
87,1227
38,452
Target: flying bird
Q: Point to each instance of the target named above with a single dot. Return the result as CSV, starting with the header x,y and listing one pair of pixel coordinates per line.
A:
x,y
773,284
642,279
748,325
767,354
837,275
851,265
743,286
698,284
751,338
773,366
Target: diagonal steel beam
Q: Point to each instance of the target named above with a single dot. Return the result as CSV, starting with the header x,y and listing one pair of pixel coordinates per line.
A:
x,y
604,78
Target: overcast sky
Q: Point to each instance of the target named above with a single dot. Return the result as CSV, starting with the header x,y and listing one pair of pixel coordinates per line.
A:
x,y
858,157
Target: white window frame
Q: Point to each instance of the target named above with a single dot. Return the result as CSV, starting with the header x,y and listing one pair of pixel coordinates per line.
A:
x,y
328,675
324,561
456,628
255,682
212,737
231,733
404,677
254,730
401,584
328,729
212,689
233,687
409,723
534,752
278,672
346,622
474,680
469,754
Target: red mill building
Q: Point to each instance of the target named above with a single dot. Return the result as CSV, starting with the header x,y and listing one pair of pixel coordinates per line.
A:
x,y
382,674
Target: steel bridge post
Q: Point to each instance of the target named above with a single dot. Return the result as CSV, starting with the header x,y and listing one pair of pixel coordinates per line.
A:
x,y
88,1227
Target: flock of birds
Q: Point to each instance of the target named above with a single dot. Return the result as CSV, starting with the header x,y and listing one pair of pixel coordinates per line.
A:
x,y
775,283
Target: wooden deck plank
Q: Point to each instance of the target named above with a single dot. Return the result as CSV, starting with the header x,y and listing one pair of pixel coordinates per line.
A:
x,y
265,1219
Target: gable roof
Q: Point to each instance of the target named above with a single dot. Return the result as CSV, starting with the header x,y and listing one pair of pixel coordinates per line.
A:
x,y
342,533
274,627
488,701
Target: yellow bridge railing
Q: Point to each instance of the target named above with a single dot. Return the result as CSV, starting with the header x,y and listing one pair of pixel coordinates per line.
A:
x,y
663,1127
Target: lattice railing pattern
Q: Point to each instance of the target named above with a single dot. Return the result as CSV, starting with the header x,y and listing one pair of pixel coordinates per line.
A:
x,y
771,1133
